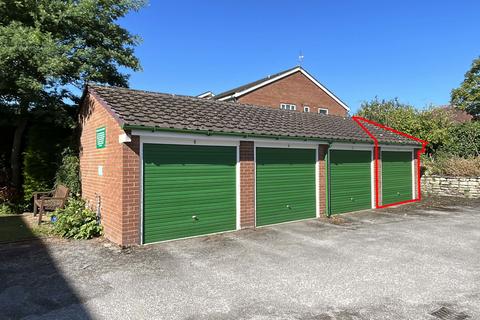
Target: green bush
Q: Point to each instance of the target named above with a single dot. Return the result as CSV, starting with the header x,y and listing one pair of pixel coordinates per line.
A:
x,y
7,208
431,124
68,173
76,221
447,164
41,158
464,140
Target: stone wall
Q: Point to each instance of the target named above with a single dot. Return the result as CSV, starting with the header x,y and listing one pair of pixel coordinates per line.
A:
x,y
468,187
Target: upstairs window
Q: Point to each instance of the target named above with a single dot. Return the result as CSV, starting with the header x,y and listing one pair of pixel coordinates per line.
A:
x,y
322,111
306,109
288,106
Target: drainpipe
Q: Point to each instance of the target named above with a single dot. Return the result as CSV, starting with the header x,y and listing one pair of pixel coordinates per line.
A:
x,y
98,201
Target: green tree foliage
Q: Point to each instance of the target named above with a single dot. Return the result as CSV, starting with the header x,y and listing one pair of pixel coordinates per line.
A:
x,y
464,140
68,172
48,48
48,43
467,96
391,113
44,145
432,124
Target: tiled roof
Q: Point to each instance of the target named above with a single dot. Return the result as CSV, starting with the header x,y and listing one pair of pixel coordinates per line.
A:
x,y
250,85
174,112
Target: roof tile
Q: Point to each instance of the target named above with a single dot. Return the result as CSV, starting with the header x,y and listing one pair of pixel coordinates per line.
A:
x,y
168,111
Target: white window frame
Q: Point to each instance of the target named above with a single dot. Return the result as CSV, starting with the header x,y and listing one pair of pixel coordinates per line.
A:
x,y
306,109
322,109
288,106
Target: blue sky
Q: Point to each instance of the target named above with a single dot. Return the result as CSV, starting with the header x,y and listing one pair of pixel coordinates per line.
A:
x,y
414,50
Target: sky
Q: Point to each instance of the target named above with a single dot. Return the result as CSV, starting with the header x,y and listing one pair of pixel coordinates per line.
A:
x,y
416,51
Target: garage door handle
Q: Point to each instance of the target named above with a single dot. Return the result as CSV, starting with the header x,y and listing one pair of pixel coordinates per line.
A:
x,y
288,206
195,218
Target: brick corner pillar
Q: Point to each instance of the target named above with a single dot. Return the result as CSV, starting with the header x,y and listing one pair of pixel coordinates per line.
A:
x,y
322,178
247,184
416,176
131,192
379,168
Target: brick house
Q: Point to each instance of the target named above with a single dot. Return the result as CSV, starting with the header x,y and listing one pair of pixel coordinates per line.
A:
x,y
160,166
293,89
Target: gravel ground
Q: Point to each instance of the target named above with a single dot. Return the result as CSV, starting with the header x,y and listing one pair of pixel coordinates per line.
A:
x,y
396,263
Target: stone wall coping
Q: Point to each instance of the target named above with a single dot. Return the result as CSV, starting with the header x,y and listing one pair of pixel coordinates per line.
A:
x,y
450,177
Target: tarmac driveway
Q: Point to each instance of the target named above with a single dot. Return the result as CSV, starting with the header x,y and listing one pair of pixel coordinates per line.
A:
x,y
401,263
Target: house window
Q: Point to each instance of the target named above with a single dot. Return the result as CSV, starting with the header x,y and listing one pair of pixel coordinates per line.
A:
x,y
288,106
322,111
306,109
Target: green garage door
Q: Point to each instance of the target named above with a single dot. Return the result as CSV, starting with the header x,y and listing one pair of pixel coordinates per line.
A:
x,y
350,181
396,176
188,190
285,185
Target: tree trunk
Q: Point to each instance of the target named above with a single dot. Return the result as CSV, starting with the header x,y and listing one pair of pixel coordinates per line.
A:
x,y
15,159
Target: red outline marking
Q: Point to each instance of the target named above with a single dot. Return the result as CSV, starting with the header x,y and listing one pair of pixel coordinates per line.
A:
x,y
376,157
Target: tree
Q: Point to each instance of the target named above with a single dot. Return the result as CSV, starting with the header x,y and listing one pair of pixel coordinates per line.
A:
x,y
464,140
391,113
432,124
50,47
467,96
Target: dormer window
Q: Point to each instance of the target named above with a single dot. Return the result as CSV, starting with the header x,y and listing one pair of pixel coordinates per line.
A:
x,y
306,109
322,111
288,106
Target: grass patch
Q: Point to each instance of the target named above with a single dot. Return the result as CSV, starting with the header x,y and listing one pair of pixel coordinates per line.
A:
x,y
15,228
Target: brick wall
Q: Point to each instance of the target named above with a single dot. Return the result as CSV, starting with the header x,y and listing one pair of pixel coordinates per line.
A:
x,y
322,177
379,184
295,89
415,172
131,192
247,184
118,187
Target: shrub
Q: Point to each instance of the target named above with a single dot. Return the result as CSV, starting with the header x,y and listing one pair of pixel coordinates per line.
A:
x,y
464,140
76,221
7,208
41,158
431,124
68,173
9,201
452,165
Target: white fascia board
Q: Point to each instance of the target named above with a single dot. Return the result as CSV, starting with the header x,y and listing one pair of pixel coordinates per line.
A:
x,y
173,136
286,74
123,138
287,145
325,89
206,94
390,147
266,82
227,97
351,146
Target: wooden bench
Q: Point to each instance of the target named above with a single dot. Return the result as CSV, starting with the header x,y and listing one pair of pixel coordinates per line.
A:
x,y
49,201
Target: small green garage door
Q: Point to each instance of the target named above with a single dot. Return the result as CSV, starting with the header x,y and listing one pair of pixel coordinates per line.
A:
x,y
285,185
396,176
188,190
350,181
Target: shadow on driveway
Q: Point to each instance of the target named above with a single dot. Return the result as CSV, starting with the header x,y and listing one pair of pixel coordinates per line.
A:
x,y
31,284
